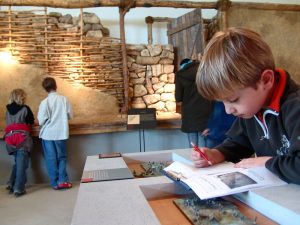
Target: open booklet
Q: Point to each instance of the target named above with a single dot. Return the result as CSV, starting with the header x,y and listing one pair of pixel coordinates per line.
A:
x,y
221,179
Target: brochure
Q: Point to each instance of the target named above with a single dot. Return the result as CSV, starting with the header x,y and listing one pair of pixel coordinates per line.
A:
x,y
221,179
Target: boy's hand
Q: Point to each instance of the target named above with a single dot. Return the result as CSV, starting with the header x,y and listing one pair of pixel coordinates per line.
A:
x,y
213,155
252,162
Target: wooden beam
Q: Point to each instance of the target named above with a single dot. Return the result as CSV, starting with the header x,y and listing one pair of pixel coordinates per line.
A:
x,y
150,20
108,3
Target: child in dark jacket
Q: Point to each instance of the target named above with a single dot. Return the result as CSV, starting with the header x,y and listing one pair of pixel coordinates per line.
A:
x,y
18,140
195,109
238,68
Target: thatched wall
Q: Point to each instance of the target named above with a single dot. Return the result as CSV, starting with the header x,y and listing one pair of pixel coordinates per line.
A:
x,y
280,29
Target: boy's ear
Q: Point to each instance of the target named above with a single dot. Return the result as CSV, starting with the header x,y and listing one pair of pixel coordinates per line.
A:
x,y
267,78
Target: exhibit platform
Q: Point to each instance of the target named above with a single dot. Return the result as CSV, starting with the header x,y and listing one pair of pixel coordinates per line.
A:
x,y
149,200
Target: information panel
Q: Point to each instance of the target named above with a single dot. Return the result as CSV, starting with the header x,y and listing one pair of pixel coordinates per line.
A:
x,y
141,118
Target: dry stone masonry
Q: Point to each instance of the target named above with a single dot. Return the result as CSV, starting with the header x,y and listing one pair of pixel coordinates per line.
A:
x,y
92,26
151,77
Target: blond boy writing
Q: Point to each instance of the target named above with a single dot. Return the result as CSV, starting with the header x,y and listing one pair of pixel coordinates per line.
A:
x,y
238,68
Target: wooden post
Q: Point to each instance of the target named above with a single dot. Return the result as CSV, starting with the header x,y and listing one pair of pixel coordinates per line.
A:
x,y
46,41
149,21
223,6
9,28
122,11
81,41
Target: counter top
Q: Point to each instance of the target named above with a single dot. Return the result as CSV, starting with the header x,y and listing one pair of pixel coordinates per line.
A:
x,y
117,124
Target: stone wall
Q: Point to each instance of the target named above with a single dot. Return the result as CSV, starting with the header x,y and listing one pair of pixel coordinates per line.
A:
x,y
92,26
151,77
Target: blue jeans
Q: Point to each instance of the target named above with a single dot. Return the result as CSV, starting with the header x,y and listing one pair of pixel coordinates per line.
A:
x,y
56,161
18,177
196,138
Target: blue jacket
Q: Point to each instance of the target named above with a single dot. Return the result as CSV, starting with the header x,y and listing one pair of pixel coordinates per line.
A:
x,y
219,123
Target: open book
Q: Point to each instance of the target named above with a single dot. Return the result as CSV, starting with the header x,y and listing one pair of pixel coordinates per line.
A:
x,y
221,179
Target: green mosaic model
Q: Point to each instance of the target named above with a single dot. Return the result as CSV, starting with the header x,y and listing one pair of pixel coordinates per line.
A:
x,y
151,169
214,211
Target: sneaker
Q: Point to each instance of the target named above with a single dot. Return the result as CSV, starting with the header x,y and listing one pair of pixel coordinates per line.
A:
x,y
64,185
55,188
18,194
10,189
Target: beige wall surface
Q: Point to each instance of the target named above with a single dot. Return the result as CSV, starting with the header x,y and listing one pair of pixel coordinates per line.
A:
x,y
280,29
89,105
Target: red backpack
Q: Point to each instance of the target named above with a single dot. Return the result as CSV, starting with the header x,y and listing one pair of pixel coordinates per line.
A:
x,y
16,133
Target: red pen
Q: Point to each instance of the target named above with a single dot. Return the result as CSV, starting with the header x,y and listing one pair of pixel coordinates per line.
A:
x,y
196,148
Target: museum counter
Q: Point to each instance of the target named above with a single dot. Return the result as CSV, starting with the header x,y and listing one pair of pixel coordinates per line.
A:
x,y
143,200
114,124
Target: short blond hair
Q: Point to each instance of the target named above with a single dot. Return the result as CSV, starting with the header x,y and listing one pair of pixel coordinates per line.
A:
x,y
18,96
232,59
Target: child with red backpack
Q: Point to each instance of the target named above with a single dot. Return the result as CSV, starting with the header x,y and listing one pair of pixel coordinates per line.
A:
x,y
19,119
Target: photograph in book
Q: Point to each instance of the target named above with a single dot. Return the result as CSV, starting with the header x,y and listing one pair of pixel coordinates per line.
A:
x,y
236,179
221,179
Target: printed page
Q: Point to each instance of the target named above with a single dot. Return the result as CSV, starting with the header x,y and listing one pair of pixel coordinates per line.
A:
x,y
263,176
222,179
206,186
188,170
231,182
